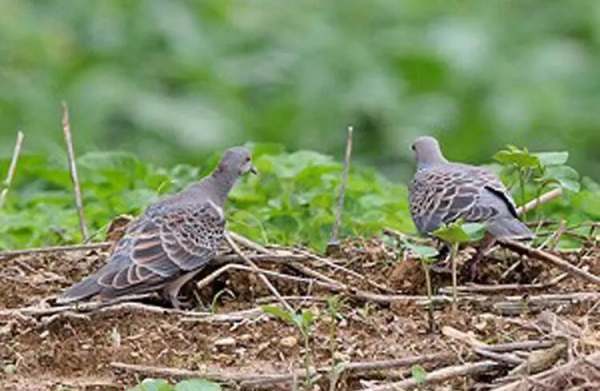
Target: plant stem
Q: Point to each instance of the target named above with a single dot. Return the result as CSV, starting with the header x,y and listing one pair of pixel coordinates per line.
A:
x,y
454,277
522,188
12,167
332,339
429,295
307,360
73,171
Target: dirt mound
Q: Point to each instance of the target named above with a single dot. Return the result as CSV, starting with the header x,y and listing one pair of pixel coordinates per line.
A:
x,y
382,317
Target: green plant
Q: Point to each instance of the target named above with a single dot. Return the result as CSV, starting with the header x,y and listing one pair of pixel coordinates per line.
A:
x,y
334,305
303,321
537,170
427,256
454,234
290,202
185,385
215,301
419,374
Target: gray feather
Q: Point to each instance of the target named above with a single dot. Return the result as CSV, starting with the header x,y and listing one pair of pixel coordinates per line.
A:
x,y
174,236
80,291
442,192
509,227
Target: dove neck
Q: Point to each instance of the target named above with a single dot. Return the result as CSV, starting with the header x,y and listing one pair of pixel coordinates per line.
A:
x,y
431,163
222,182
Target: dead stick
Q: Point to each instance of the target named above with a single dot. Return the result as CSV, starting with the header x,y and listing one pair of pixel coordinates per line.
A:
x,y
358,367
521,345
244,241
77,307
556,371
73,170
476,288
44,250
253,378
264,279
544,198
549,258
499,357
219,259
333,265
12,168
340,207
440,375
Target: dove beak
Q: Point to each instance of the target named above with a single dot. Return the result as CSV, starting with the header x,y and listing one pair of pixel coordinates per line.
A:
x,y
253,170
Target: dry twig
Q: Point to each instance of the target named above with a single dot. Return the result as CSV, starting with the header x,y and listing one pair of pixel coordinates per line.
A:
x,y
55,249
12,168
73,170
495,289
257,379
440,375
544,198
552,373
264,279
334,241
549,258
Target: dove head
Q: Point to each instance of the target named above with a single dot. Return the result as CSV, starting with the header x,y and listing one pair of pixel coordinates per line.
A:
x,y
235,162
427,151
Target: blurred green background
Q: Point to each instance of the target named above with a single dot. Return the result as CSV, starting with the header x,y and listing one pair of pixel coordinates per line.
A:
x,y
173,81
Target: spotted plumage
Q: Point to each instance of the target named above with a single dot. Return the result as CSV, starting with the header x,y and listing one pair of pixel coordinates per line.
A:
x,y
171,242
443,192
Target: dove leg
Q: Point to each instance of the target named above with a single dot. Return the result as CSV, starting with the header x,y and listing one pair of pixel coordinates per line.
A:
x,y
172,289
486,244
442,266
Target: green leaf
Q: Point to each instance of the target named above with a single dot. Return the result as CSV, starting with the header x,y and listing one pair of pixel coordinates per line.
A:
x,y
475,231
153,385
279,313
518,157
452,233
565,176
552,158
589,203
197,385
458,232
418,373
308,317
423,252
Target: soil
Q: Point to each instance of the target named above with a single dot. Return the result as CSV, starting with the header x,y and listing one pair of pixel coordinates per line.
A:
x,y
74,351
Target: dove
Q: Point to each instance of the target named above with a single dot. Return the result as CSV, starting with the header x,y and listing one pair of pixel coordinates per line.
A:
x,y
442,192
171,242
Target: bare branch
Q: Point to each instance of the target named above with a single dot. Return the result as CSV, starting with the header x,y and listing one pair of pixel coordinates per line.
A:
x,y
264,279
340,207
46,250
265,379
12,168
543,199
549,258
441,375
73,170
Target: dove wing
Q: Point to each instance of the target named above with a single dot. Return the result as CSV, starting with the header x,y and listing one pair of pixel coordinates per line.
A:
x,y
445,194
163,244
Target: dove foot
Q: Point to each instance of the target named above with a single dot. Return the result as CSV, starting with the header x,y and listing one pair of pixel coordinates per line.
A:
x,y
441,268
171,291
484,248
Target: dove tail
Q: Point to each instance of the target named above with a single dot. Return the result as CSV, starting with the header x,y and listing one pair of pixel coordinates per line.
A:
x,y
509,227
80,291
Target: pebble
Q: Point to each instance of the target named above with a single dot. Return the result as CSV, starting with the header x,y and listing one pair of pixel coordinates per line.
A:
x,y
227,341
289,342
